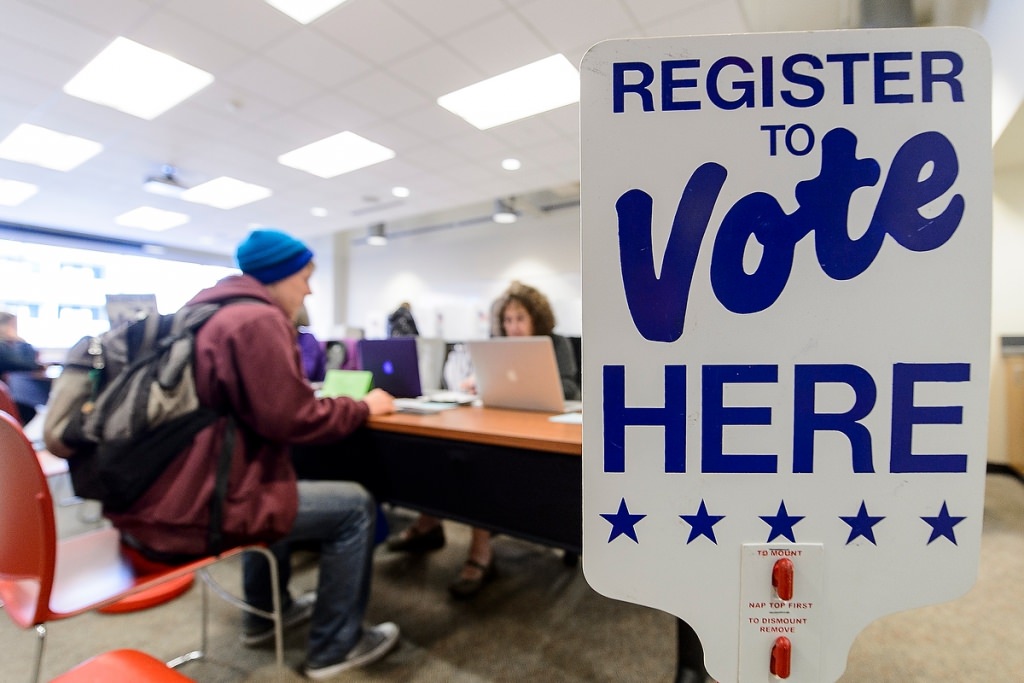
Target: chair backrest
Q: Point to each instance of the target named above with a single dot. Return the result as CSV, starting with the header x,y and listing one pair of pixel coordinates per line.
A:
x,y
28,529
7,403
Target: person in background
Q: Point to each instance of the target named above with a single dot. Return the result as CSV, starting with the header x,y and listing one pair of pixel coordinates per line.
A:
x,y
401,323
17,355
314,356
521,311
247,368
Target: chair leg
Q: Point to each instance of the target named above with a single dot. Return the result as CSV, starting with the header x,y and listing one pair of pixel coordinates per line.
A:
x,y
275,616
37,666
278,615
203,620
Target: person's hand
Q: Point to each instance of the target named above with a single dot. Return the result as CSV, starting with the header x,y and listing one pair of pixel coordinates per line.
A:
x,y
468,385
380,402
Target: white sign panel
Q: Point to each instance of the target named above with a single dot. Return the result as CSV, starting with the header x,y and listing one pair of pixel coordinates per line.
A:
x,y
786,266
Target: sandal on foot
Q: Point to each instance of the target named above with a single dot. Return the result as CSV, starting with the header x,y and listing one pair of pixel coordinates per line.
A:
x,y
464,587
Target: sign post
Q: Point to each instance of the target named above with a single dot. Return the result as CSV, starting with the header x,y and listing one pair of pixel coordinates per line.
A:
x,y
787,267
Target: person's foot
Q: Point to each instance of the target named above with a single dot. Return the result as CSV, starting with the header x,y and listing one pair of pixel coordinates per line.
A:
x,y
413,540
374,645
257,630
472,578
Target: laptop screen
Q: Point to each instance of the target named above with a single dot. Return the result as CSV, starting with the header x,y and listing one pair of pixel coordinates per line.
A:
x,y
352,383
393,363
517,372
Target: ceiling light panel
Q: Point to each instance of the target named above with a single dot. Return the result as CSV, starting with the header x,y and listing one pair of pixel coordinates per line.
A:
x,y
304,11
14,192
150,218
226,193
336,154
47,148
532,89
137,80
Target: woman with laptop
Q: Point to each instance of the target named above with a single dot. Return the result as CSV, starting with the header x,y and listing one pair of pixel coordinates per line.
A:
x,y
521,311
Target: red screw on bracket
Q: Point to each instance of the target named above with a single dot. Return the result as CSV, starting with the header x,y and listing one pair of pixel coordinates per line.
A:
x,y
782,654
782,579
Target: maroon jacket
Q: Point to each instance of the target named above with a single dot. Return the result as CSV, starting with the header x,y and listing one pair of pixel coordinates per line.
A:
x,y
246,364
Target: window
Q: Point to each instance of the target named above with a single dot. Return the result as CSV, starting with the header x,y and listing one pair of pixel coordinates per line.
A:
x,y
59,293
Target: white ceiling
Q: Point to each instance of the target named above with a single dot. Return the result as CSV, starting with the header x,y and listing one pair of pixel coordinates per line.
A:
x,y
375,67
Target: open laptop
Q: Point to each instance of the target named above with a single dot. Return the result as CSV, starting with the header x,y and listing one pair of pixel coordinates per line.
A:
x,y
519,373
352,383
394,364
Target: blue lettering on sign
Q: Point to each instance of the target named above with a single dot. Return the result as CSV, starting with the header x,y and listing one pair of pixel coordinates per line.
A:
x,y
905,415
923,169
715,416
617,416
806,422
732,82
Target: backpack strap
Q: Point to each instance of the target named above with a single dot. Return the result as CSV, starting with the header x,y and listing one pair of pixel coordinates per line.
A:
x,y
220,489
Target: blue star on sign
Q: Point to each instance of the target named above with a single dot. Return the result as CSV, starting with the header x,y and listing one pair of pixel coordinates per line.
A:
x,y
782,523
942,524
623,522
862,525
702,524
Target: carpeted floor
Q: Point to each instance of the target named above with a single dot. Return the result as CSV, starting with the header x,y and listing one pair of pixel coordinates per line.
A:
x,y
541,622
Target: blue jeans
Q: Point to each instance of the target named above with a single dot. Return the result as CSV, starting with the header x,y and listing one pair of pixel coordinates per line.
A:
x,y
340,515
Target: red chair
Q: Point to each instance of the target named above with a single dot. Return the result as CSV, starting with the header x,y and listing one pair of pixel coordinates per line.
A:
x,y
7,403
43,579
122,666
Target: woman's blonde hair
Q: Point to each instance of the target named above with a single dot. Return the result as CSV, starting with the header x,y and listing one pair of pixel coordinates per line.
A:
x,y
536,304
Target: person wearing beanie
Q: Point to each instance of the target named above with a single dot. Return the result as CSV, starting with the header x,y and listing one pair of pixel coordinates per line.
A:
x,y
271,255
248,370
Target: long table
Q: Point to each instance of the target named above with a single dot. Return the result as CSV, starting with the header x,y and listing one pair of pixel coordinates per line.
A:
x,y
512,472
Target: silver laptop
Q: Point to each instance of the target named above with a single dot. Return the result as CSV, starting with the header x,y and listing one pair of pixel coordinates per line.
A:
x,y
518,372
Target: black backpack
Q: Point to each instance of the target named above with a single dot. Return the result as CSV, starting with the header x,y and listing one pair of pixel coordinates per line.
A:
x,y
125,406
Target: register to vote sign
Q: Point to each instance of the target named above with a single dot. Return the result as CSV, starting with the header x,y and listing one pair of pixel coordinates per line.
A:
x,y
786,265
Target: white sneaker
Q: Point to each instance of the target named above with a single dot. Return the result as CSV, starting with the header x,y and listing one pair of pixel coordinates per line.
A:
x,y
375,643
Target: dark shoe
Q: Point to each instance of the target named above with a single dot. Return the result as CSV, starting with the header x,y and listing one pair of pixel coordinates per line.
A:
x,y
375,643
413,541
257,630
463,588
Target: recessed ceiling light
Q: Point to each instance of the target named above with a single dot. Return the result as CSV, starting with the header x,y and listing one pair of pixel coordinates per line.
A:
x,y
400,192
376,235
319,211
304,11
511,164
150,218
336,154
47,148
538,87
137,80
504,211
226,193
14,192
